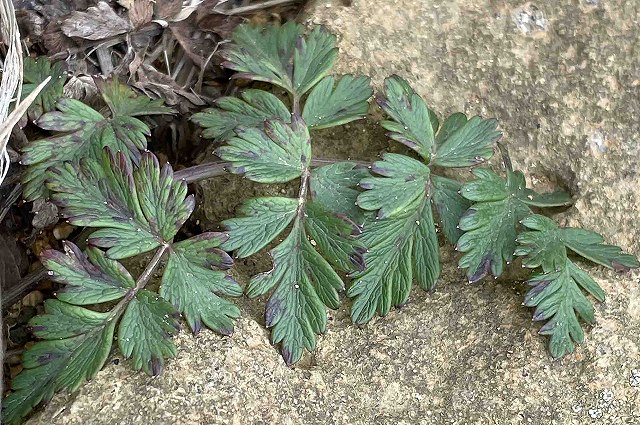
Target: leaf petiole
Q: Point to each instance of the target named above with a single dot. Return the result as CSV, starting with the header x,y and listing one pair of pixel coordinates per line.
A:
x,y
142,281
214,169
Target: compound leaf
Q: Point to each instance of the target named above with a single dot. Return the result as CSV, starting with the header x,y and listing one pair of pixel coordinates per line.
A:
x,y
264,219
281,55
558,299
229,113
35,71
330,104
135,210
76,344
544,246
557,291
414,124
263,54
334,186
145,332
89,279
465,145
195,289
401,189
277,154
123,101
450,205
86,132
305,283
398,249
490,225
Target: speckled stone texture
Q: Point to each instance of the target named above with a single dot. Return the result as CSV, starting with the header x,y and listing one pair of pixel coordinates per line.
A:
x,y
564,83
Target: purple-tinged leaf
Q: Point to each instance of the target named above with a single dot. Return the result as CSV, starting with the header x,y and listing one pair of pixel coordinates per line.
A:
x,y
190,284
88,279
76,344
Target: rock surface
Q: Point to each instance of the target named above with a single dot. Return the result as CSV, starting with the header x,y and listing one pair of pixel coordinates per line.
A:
x,y
564,83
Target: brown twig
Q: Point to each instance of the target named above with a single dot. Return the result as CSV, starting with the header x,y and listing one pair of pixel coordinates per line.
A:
x,y
252,7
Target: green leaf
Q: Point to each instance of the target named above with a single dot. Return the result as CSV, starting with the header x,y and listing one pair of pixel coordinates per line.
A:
x,y
163,200
546,200
465,145
136,211
401,242
453,123
399,249
254,107
334,186
545,246
263,54
590,245
265,218
450,204
490,225
557,291
35,71
330,104
145,331
77,343
401,189
86,132
123,101
313,58
281,55
413,124
334,237
542,247
558,299
195,289
277,154
89,279
305,283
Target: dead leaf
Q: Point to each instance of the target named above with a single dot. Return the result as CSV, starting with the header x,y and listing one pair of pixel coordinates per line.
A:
x,y
45,213
188,7
222,25
138,59
63,231
197,44
166,9
54,39
141,13
161,85
51,9
127,4
33,299
80,87
97,23
31,24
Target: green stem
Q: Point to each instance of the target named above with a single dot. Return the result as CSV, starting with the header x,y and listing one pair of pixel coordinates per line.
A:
x,y
142,281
